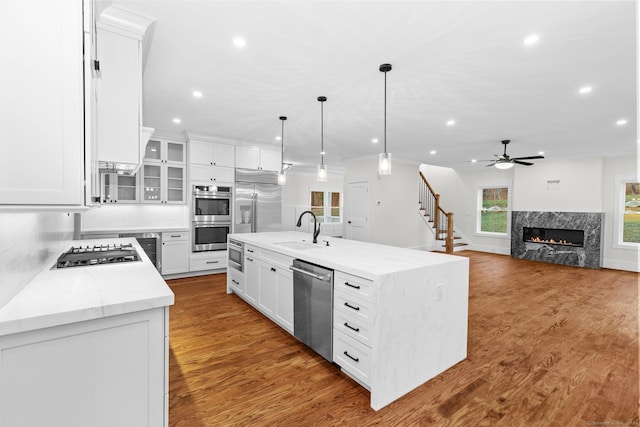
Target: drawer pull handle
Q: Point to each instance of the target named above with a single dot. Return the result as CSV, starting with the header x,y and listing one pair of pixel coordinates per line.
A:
x,y
249,259
353,286
355,359
175,235
212,262
250,250
273,269
351,327
352,307
234,281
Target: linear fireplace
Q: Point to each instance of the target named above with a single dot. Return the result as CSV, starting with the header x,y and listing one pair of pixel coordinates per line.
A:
x,y
553,236
569,238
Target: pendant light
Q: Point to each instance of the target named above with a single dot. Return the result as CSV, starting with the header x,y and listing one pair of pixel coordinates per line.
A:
x,y
322,168
384,159
282,179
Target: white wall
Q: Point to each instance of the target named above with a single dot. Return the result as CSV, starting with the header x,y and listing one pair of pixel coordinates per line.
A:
x,y
29,242
573,185
296,199
395,220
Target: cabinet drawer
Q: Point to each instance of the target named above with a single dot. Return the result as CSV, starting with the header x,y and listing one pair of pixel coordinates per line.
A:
x,y
210,263
356,307
352,326
354,285
352,356
280,260
235,280
171,236
251,251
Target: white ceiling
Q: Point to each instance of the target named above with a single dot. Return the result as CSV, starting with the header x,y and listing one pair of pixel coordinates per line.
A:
x,y
457,60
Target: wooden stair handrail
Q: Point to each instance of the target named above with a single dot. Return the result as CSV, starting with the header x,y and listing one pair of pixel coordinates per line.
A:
x,y
435,215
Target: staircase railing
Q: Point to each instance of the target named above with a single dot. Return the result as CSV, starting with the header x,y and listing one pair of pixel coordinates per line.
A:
x,y
442,220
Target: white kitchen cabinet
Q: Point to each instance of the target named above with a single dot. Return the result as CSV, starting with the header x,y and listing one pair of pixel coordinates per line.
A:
x,y
119,135
257,158
164,172
115,188
235,280
42,142
210,173
251,279
175,252
267,288
105,372
208,260
211,153
284,298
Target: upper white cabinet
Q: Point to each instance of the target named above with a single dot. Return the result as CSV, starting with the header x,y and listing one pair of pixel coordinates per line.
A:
x,y
211,161
42,140
163,174
257,158
120,140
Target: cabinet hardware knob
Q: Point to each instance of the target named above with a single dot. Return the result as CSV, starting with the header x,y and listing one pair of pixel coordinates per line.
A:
x,y
352,307
348,222
353,286
355,359
250,250
249,259
351,327
234,281
273,269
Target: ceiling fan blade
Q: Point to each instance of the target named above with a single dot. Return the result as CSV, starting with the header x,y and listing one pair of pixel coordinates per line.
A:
x,y
521,163
527,158
491,164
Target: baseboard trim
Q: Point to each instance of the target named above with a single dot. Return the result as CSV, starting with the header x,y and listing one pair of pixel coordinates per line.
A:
x,y
621,265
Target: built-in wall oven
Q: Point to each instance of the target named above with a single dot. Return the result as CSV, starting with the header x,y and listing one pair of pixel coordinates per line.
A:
x,y
210,236
212,203
211,217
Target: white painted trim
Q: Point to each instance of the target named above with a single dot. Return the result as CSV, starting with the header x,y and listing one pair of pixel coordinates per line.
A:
x,y
618,212
124,22
488,249
621,265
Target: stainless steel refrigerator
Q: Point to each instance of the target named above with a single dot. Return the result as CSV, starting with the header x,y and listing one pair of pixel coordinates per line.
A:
x,y
258,201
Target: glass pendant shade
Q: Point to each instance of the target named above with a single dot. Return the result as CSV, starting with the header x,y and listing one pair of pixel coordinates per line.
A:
x,y
504,165
282,178
322,172
384,164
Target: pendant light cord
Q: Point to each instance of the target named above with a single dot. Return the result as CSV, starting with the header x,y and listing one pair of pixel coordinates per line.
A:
x,y
322,132
385,111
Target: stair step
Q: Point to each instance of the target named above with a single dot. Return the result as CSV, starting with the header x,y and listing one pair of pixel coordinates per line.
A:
x,y
455,245
445,237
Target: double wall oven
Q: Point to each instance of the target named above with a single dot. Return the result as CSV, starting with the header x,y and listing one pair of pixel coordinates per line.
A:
x,y
211,217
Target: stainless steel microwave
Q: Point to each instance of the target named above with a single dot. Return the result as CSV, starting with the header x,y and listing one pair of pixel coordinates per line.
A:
x,y
212,203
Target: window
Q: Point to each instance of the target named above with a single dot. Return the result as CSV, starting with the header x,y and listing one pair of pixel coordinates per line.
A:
x,y
493,210
326,205
631,212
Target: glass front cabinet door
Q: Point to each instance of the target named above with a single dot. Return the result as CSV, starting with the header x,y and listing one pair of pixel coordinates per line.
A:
x,y
164,172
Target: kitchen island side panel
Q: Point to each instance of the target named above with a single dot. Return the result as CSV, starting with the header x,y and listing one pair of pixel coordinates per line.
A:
x,y
421,327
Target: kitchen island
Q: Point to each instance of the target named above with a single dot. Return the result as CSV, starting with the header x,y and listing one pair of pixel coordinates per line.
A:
x,y
399,315
87,345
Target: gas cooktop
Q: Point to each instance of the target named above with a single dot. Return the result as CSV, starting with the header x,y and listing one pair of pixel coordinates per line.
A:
x,y
80,256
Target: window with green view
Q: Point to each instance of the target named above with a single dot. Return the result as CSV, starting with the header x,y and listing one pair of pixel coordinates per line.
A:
x,y
493,209
631,215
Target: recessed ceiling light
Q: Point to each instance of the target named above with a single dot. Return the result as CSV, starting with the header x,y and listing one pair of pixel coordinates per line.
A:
x,y
239,42
540,153
451,122
322,153
432,152
473,160
197,94
374,140
621,122
532,39
585,89
278,138
176,120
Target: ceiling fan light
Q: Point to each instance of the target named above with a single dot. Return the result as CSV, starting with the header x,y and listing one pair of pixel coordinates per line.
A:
x,y
384,164
504,165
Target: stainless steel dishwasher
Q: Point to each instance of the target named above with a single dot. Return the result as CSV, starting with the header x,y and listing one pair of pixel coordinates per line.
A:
x,y
313,306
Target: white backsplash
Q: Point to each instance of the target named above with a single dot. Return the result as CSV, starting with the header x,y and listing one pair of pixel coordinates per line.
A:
x,y
129,217
29,242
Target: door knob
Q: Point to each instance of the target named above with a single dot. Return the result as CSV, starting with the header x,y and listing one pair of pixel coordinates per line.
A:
x,y
348,222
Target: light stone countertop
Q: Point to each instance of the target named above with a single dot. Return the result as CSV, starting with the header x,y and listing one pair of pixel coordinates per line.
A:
x,y
61,296
368,260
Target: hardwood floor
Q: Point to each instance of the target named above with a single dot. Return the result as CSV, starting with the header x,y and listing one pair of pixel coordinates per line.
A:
x,y
549,345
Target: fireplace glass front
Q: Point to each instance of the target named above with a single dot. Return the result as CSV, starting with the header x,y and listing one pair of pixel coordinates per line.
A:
x,y
553,236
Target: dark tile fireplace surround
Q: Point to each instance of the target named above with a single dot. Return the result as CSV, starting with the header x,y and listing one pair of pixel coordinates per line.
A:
x,y
569,238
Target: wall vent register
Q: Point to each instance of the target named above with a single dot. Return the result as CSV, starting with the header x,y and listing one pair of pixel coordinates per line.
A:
x,y
80,256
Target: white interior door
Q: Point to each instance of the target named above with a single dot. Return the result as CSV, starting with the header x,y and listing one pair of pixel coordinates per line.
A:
x,y
358,211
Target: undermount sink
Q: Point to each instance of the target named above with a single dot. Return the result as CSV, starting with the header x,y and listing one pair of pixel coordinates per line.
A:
x,y
298,245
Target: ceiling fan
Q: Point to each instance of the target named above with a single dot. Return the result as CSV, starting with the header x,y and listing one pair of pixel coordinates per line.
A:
x,y
506,162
